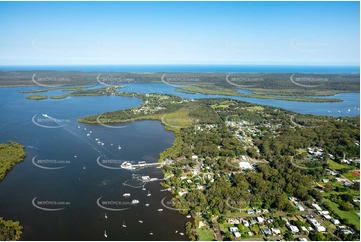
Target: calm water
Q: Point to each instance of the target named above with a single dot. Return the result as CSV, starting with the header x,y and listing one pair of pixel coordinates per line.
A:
x,y
83,181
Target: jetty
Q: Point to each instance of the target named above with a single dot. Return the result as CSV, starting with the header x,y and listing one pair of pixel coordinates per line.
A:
x,y
128,166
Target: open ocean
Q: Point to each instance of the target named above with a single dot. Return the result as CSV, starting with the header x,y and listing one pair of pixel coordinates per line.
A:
x,y
191,68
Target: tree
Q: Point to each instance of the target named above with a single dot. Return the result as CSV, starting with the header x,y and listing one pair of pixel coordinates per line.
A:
x,y
317,236
347,206
328,188
288,236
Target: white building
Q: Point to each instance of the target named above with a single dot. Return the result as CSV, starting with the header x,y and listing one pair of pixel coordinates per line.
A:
x,y
316,225
276,231
317,207
260,219
335,221
245,165
233,229
293,228
245,223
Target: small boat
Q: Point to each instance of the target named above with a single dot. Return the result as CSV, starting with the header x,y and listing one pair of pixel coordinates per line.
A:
x,y
181,233
147,204
160,210
90,131
84,128
105,215
124,224
151,233
111,144
102,143
96,139
119,148
87,134
74,156
143,188
141,221
105,234
135,201
126,195
348,110
176,231
149,194
99,142
338,111
78,126
127,166
84,168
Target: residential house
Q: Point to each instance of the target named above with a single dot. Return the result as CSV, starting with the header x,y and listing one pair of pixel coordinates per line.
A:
x,y
276,231
266,231
318,208
335,221
316,225
245,223
293,228
260,219
233,229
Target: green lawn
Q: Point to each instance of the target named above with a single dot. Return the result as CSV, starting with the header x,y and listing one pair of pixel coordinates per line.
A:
x,y
204,234
351,216
257,108
224,227
178,119
351,176
338,166
300,151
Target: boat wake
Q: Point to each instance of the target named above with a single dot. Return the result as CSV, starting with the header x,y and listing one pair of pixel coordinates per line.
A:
x,y
136,182
92,143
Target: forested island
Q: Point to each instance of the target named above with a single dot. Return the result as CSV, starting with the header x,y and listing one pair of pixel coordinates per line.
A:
x,y
306,87
10,155
245,171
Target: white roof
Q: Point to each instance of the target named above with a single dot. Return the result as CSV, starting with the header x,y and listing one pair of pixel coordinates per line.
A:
x,y
317,207
245,165
335,221
294,228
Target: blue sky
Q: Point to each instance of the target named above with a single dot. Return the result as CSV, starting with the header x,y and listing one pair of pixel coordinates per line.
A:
x,y
95,33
